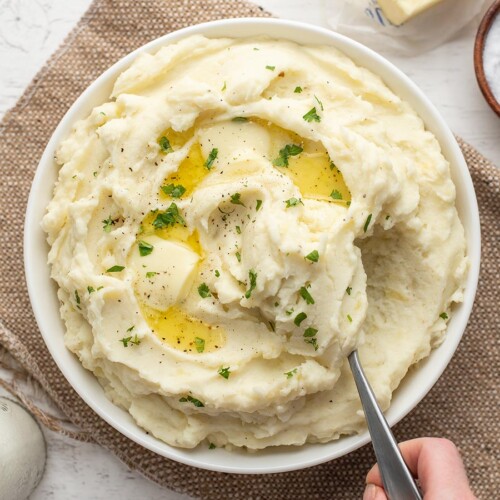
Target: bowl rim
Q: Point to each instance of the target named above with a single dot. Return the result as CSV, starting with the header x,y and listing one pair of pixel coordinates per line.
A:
x,y
37,283
482,34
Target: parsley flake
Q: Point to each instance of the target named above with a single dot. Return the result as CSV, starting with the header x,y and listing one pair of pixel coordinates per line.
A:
x,y
320,103
151,274
90,289
252,275
313,341
223,87
200,344
271,68
238,229
259,204
115,269
224,372
310,332
336,195
238,256
443,315
299,318
211,446
298,90
236,199
169,217
165,146
108,224
291,373
145,248
129,340
293,202
173,190
349,318
313,256
211,158
312,116
240,119
190,399
285,153
77,297
367,223
217,273
204,291
348,290
304,293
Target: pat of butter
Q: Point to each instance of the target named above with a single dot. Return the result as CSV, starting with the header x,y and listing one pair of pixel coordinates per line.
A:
x,y
399,11
164,277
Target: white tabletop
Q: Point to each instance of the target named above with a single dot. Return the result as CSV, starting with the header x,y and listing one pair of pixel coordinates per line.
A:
x,y
30,30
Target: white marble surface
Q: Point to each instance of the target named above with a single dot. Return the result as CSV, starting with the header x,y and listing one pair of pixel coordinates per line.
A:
x,y
30,30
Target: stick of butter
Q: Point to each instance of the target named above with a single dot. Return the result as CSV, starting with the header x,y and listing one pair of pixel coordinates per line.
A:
x,y
399,11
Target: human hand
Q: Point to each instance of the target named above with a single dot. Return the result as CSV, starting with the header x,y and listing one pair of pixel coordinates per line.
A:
x,y
438,466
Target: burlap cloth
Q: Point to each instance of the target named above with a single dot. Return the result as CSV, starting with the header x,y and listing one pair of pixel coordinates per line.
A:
x,y
464,404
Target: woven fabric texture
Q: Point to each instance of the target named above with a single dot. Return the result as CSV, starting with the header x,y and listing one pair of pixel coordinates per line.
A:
x,y
463,405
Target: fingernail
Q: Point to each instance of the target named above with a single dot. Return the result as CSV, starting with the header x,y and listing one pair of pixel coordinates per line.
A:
x,y
370,492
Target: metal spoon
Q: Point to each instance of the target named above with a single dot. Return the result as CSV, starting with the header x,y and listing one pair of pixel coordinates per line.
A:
x,y
396,477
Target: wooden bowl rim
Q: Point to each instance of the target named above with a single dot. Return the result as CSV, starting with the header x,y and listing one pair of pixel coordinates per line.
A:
x,y
481,36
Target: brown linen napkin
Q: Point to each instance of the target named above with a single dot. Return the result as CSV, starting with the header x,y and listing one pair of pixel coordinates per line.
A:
x,y
463,405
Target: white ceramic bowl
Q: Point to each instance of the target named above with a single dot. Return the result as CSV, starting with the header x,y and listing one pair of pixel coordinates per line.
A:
x,y
43,291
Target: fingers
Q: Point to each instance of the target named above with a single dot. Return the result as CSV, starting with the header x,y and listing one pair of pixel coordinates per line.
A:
x,y
373,492
437,464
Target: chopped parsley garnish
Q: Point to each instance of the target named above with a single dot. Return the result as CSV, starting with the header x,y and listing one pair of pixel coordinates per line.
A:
x,y
291,373
332,165
443,316
313,256
77,297
298,90
238,229
252,275
90,289
200,344
349,318
289,312
313,341
190,399
285,153
217,273
304,293
115,269
293,202
310,332
259,204
129,340
224,372
173,190
336,195
348,290
271,68
312,116
299,318
151,274
235,199
165,146
238,256
211,446
204,291
131,328
108,224
145,248
223,87
367,223
320,103
170,217
211,158
240,119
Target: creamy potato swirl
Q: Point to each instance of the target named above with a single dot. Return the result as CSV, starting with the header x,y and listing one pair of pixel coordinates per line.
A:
x,y
233,222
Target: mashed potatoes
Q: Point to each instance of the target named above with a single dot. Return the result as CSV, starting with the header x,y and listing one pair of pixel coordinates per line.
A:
x,y
238,218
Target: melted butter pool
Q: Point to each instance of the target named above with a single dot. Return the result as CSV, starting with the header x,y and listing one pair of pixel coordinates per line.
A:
x,y
181,331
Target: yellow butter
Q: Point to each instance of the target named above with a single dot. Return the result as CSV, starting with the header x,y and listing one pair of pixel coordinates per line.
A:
x,y
400,11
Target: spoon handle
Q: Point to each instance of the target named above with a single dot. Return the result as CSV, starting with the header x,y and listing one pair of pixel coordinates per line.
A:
x,y
398,481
